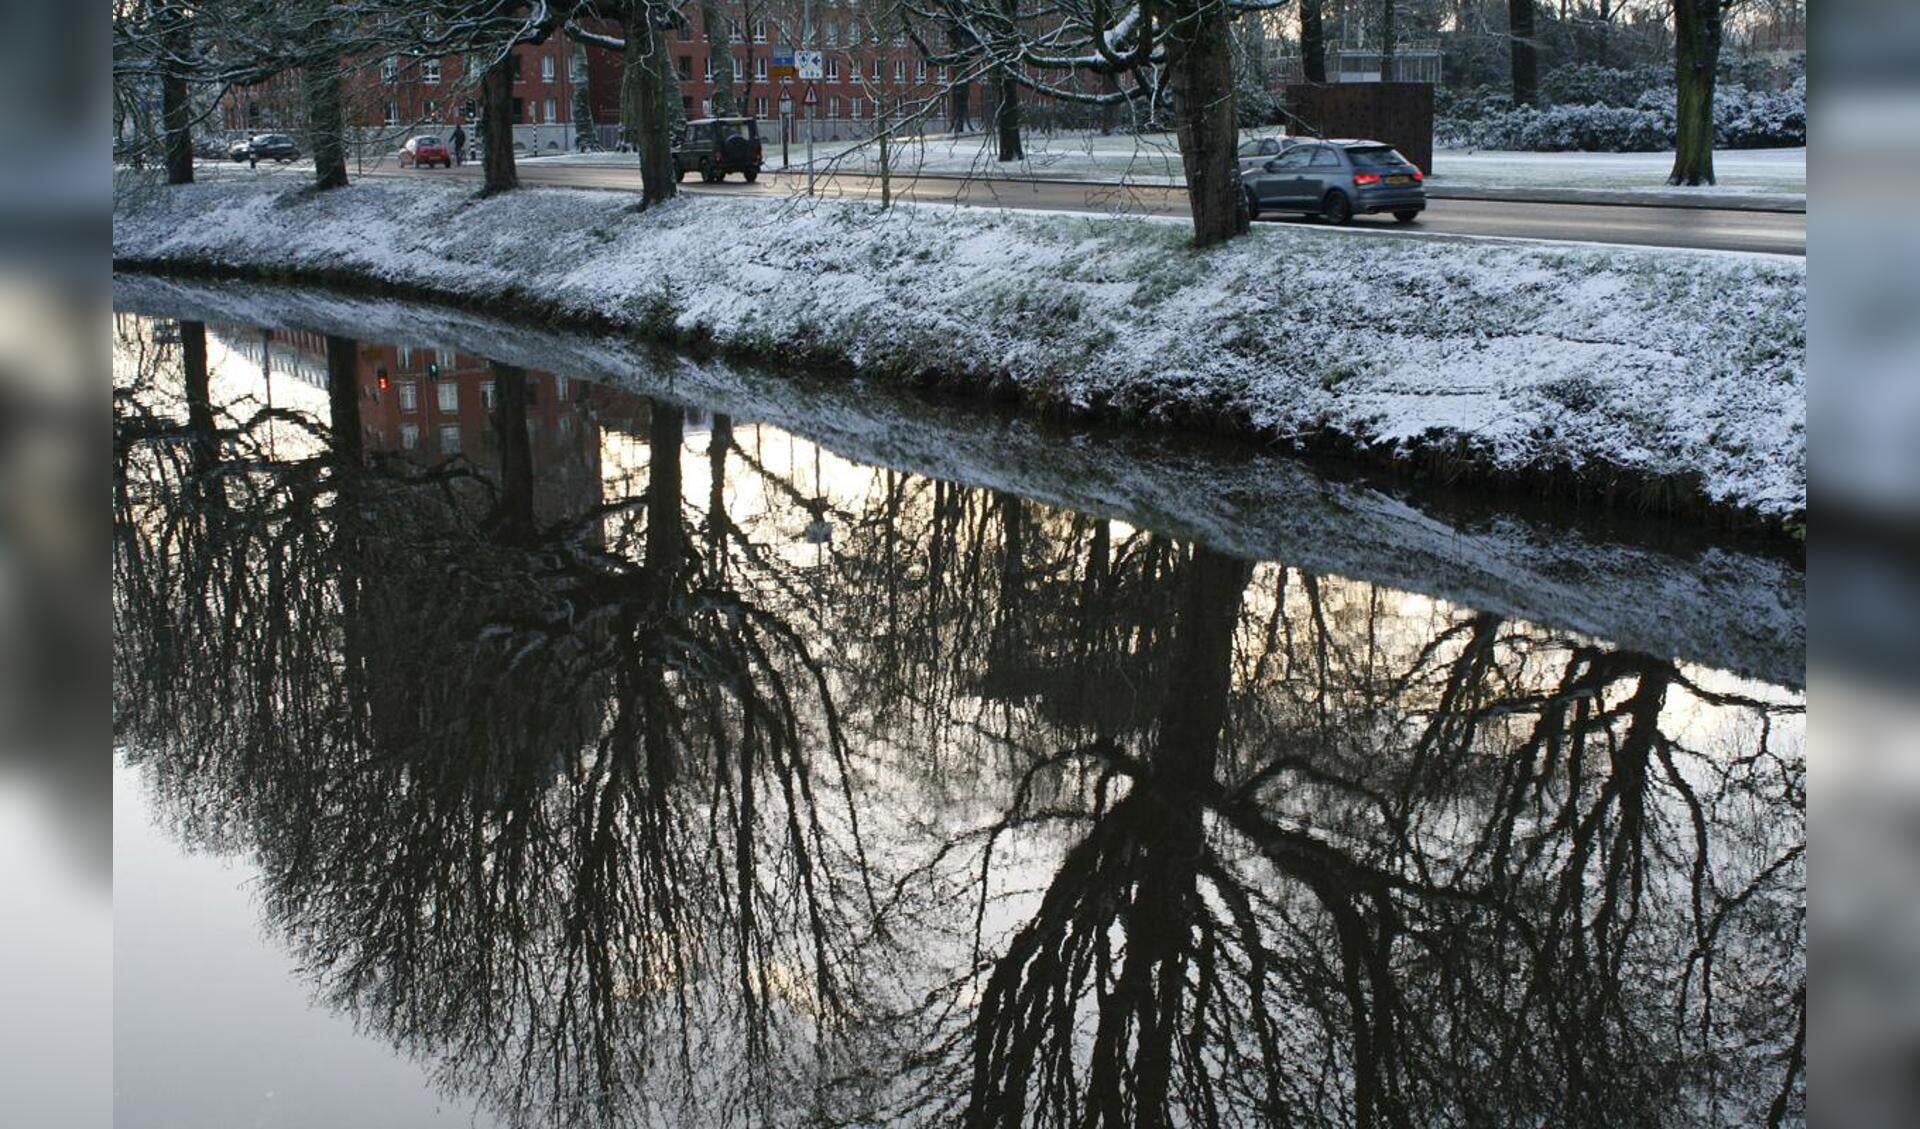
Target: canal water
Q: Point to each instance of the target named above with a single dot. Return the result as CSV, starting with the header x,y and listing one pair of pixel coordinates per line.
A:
x,y
518,730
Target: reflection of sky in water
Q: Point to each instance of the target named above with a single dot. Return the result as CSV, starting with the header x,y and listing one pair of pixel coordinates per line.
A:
x,y
1005,674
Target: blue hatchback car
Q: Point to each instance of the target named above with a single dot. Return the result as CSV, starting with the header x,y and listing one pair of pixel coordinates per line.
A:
x,y
1337,180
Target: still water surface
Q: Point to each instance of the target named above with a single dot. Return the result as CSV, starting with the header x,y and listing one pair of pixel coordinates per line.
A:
x,y
506,747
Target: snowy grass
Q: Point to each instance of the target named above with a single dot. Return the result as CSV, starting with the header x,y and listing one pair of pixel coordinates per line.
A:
x,y
1685,370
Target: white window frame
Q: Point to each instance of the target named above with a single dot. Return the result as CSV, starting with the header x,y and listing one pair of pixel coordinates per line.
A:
x,y
430,71
739,68
899,70
548,71
833,106
407,392
446,396
759,68
449,438
709,71
853,107
552,109
920,70
488,399
392,112
409,437
389,69
832,71
759,31
831,30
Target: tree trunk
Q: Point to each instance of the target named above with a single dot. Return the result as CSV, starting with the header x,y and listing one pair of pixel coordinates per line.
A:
x,y
1006,116
1526,63
496,112
1696,56
962,117
176,112
1389,33
1109,112
327,120
1313,42
644,91
1202,84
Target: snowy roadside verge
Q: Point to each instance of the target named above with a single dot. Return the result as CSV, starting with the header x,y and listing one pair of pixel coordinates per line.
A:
x,y
1673,378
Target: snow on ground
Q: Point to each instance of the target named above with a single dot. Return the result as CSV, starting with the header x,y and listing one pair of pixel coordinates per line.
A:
x,y
1727,609
1523,356
1154,158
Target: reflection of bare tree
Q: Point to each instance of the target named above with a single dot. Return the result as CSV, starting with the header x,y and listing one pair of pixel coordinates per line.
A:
x,y
584,812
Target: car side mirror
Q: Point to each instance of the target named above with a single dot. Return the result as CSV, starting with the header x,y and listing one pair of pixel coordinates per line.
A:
x,y
1273,165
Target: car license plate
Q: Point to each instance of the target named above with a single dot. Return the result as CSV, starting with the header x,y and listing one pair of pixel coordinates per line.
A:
x,y
1399,180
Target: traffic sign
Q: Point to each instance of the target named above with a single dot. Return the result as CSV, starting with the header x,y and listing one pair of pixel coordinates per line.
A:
x,y
786,105
813,96
809,64
783,69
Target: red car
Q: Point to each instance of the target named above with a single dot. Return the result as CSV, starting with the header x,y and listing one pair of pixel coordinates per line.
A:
x,y
425,152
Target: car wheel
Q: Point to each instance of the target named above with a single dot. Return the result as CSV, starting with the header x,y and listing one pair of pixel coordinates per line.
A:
x,y
1336,209
1253,204
1406,216
679,174
751,175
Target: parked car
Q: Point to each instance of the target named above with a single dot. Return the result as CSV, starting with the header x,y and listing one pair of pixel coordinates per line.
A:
x,y
1337,180
1260,150
425,151
209,148
715,147
265,147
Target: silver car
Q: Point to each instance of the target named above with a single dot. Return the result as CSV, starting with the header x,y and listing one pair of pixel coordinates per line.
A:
x,y
1337,180
1260,150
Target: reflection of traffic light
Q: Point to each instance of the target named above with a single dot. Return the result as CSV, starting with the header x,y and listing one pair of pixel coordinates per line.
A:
x,y
381,376
433,369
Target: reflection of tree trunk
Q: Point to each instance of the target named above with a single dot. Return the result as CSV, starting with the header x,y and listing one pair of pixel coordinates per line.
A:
x,y
343,398
193,355
666,539
1526,64
513,519
720,446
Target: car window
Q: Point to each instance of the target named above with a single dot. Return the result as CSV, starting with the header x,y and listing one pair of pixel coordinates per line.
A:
x,y
1250,149
1323,157
1269,146
426,140
1377,156
1290,160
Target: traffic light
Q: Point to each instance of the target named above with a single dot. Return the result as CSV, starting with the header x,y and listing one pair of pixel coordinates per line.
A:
x,y
433,370
381,376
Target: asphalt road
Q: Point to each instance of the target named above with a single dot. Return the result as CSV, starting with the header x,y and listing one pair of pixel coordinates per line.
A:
x,y
1701,228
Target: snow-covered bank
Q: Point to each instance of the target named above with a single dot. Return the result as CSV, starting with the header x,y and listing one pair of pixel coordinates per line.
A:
x,y
1716,605
1684,372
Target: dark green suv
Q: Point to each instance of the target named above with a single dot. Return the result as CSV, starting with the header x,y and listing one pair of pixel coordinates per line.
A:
x,y
714,147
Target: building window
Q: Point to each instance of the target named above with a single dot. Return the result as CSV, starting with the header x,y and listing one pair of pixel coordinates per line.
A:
x,y
899,70
853,107
560,388
833,106
759,31
686,73
739,68
393,112
519,110
853,73
443,358
433,109
686,105
389,69
547,68
409,396
409,436
709,70
487,399
577,66
450,439
760,107
873,68
832,31
759,68
685,31
430,71
513,65
920,70
405,355
833,70
553,110
733,32
899,39
446,396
